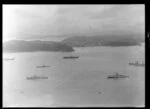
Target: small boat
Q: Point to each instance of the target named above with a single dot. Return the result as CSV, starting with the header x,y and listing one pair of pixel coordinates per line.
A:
x,y
70,57
8,59
34,77
137,64
116,76
42,66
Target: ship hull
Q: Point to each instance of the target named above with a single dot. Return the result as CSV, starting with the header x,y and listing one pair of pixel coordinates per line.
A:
x,y
36,78
133,64
70,57
113,77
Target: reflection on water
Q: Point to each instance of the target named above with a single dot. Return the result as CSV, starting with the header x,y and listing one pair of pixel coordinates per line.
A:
x,y
75,82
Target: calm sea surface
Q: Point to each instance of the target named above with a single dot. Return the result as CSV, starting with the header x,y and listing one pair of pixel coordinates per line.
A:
x,y
75,82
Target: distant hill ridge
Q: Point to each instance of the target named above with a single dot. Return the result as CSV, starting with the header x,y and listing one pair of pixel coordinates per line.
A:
x,y
67,44
36,45
84,41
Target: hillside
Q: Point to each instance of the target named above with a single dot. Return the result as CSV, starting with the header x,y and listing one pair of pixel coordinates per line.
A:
x,y
84,41
33,46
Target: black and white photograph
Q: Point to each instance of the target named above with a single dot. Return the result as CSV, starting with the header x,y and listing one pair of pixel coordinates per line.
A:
x,y
58,55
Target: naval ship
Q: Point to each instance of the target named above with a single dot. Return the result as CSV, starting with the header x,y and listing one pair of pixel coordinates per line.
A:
x,y
34,77
137,64
70,57
8,59
116,76
42,66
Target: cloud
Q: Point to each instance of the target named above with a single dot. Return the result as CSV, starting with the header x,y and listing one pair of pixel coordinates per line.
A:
x,y
68,20
102,19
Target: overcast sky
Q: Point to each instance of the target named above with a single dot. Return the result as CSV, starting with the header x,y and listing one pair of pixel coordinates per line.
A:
x,y
52,22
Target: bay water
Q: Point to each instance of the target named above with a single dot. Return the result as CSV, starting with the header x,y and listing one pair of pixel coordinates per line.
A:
x,y
78,82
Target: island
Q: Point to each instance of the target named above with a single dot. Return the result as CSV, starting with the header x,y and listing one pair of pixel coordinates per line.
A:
x,y
86,41
34,46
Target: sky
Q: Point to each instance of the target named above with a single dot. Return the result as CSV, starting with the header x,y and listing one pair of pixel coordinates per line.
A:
x,y
57,22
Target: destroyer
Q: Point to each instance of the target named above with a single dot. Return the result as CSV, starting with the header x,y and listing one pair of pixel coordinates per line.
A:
x,y
8,59
34,77
70,57
116,76
137,64
42,66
